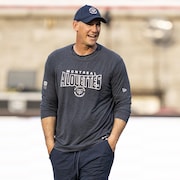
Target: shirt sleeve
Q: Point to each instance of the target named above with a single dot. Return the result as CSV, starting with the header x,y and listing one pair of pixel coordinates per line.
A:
x,y
49,101
121,92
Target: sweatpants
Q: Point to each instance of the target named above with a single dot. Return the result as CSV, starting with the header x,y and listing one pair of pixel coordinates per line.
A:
x,y
93,163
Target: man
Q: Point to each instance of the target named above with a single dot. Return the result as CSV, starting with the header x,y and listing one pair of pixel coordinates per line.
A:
x,y
85,103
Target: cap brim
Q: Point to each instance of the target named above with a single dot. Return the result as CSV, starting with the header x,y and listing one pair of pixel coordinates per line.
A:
x,y
93,18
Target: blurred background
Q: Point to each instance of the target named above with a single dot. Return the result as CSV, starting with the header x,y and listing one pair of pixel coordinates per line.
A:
x,y
145,33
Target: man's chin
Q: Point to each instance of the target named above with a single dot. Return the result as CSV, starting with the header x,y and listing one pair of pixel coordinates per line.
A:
x,y
91,45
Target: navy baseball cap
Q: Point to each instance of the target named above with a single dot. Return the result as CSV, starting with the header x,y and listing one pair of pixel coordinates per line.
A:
x,y
88,13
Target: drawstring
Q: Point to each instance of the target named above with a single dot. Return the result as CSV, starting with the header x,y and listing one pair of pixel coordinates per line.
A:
x,y
74,160
76,163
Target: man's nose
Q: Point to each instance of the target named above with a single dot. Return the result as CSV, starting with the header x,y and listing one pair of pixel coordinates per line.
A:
x,y
95,28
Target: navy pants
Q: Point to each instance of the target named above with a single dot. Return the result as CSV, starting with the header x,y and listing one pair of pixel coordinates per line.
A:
x,y
91,164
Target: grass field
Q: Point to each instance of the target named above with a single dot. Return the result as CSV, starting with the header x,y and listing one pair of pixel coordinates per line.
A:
x,y
148,149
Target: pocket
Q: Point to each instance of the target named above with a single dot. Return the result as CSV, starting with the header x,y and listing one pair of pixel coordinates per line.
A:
x,y
50,154
108,146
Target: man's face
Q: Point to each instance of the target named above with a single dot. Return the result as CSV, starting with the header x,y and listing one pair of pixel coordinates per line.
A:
x,y
87,34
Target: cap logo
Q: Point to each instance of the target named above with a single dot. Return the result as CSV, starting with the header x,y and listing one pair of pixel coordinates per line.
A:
x,y
92,10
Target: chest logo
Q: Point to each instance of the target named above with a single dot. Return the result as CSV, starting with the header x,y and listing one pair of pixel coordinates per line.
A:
x,y
80,80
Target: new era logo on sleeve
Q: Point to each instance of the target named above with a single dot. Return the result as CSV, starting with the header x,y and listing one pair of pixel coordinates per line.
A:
x,y
45,83
124,90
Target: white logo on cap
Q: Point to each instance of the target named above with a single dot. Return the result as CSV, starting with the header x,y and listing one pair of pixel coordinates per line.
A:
x,y
93,10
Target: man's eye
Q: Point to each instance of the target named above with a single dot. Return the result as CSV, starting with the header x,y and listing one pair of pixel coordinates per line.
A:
x,y
90,24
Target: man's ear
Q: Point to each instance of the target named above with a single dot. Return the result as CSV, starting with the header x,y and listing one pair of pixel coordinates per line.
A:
x,y
75,25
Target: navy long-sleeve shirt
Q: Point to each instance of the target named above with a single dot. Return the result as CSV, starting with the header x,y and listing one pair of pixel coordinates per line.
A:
x,y
85,94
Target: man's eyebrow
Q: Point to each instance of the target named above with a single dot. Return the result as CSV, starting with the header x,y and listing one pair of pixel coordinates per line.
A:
x,y
94,22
